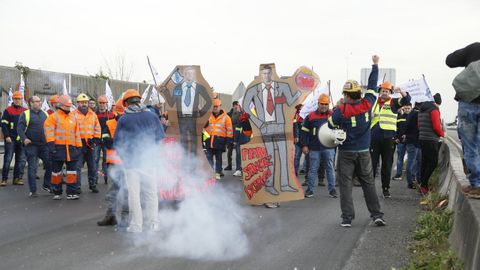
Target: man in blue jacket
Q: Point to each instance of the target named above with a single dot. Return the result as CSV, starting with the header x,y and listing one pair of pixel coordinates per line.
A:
x,y
353,115
312,147
138,132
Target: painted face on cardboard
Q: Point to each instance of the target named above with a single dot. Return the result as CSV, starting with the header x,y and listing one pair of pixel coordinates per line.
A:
x,y
266,75
190,75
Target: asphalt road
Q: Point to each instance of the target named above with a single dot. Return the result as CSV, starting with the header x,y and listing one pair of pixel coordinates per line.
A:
x,y
39,233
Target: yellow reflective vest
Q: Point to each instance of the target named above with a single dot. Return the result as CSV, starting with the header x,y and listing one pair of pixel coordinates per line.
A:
x,y
384,116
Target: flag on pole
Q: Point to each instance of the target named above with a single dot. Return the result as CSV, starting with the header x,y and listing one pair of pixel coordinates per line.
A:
x,y
108,93
64,89
156,77
156,95
10,97
310,103
21,88
145,94
45,106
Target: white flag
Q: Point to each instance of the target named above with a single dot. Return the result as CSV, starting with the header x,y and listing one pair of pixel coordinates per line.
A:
x,y
10,97
64,89
155,75
310,103
45,106
108,93
145,94
21,88
156,95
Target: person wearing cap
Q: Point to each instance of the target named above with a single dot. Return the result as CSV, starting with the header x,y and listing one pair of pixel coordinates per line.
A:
x,y
103,116
218,133
32,134
156,107
137,134
352,114
117,178
400,138
384,128
316,152
90,132
234,113
466,85
53,101
62,134
430,133
13,144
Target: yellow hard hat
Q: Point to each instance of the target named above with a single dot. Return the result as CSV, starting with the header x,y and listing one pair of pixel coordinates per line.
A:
x,y
351,86
82,97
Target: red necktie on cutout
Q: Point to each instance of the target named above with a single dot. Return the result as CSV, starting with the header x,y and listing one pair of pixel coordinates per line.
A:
x,y
270,106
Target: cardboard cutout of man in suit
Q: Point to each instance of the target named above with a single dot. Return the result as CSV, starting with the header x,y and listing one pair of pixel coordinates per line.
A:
x,y
268,97
186,96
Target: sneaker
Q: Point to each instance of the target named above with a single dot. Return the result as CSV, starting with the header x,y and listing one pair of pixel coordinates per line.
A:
x,y
308,194
304,184
222,174
411,186
45,188
301,172
93,189
386,193
33,194
218,176
79,191
474,193
3,183
56,197
155,227
237,173
333,194
271,205
73,197
347,223
108,220
228,168
379,222
134,229
424,190
397,178
18,181
105,179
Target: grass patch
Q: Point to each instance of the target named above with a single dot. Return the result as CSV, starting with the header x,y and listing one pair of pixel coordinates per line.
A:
x,y
429,248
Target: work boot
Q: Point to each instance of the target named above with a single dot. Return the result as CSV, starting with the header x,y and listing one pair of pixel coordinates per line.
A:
x,y
18,181
228,168
3,183
93,189
108,220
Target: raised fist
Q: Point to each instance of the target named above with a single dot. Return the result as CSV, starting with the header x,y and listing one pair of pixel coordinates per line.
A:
x,y
375,59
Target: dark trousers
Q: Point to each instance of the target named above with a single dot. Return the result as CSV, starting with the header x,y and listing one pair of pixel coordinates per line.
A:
x,y
87,156
101,149
217,154
117,194
57,166
33,153
384,148
188,134
15,147
429,160
229,154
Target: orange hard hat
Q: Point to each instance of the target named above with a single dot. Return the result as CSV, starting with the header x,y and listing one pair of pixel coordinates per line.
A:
x,y
323,99
217,102
17,94
102,99
65,100
119,108
386,85
53,99
130,93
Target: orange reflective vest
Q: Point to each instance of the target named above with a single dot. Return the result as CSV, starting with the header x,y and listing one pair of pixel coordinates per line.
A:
x,y
63,129
89,125
220,126
112,157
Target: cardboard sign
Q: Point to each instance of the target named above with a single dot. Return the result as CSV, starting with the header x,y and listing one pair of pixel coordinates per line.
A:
x,y
188,99
267,160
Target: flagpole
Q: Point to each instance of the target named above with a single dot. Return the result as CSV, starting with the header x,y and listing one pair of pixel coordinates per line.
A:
x,y
151,70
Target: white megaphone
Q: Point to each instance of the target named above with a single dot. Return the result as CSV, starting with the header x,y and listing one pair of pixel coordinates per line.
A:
x,y
331,138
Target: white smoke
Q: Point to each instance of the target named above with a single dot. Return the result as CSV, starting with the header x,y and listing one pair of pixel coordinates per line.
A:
x,y
208,220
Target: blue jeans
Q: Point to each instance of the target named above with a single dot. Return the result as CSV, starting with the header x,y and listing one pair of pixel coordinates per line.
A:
x,y
238,157
34,152
400,156
218,159
469,131
101,149
15,147
88,157
315,158
411,172
296,159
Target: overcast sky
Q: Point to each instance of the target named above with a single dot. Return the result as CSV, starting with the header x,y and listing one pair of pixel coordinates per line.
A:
x,y
229,39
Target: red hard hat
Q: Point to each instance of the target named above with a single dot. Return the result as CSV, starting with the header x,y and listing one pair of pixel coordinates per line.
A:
x,y
102,99
53,99
17,94
65,100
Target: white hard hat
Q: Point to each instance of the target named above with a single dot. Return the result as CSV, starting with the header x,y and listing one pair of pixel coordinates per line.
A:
x,y
331,137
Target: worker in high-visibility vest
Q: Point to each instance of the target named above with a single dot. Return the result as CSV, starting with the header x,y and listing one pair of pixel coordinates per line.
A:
x,y
53,100
90,132
117,177
62,134
32,135
218,133
103,116
13,145
384,128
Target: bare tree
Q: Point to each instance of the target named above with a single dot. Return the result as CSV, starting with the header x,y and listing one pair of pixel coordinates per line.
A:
x,y
117,68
